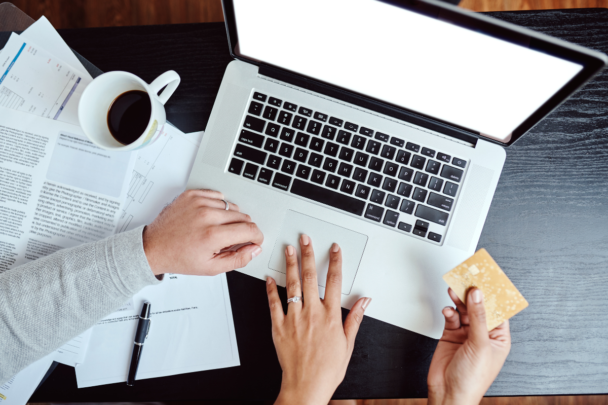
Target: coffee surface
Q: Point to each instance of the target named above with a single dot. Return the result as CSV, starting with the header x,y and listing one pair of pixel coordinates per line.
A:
x,y
129,115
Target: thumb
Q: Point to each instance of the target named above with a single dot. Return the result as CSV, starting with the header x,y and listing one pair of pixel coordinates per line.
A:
x,y
230,260
353,321
478,330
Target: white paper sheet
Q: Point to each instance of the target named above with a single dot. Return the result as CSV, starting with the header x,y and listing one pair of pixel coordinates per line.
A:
x,y
19,389
73,352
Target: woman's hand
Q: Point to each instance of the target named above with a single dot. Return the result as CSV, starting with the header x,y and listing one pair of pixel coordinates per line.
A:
x,y
191,236
468,357
312,345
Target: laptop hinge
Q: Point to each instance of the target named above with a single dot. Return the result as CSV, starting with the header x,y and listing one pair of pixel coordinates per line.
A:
x,y
368,103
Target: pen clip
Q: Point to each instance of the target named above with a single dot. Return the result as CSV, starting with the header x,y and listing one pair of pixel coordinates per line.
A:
x,y
148,331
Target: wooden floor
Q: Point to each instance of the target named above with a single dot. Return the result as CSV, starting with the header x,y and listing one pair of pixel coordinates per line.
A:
x,y
108,13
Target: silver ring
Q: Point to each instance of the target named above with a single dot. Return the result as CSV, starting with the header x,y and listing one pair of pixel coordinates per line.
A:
x,y
294,299
227,205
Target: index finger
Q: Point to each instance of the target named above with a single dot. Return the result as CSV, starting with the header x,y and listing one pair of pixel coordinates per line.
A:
x,y
310,286
333,286
236,233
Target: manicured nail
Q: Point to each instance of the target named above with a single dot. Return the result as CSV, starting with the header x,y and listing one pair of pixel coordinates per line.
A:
x,y
268,280
335,248
477,296
305,240
256,252
366,303
449,311
290,250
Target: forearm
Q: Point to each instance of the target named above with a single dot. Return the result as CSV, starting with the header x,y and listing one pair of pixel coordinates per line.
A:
x,y
47,302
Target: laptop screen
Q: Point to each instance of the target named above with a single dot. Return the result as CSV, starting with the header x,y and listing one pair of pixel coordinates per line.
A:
x,y
433,67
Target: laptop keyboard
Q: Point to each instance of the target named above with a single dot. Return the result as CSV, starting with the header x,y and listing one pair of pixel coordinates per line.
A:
x,y
381,178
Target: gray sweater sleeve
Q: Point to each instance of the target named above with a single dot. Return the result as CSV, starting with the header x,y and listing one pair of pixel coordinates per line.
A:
x,y
47,302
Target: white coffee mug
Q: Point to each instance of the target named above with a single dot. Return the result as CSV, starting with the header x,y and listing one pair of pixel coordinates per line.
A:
x,y
100,94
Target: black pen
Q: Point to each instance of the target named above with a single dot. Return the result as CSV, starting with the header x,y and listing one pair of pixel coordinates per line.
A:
x,y
143,327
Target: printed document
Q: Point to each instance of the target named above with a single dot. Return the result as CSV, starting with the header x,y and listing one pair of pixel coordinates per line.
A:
x,y
19,389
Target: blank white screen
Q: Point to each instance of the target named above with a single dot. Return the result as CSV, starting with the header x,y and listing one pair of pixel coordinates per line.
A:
x,y
404,58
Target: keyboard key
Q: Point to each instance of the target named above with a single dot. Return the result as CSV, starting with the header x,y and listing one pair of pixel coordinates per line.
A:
x,y
328,197
274,162
320,116
388,152
275,101
361,159
422,224
397,142
236,165
281,181
302,139
271,145
265,175
285,118
378,196
350,126
374,212
403,157
315,159
432,166
287,134
391,218
435,184
405,189
345,169
374,179
346,154
290,107
286,150
373,147
272,129
335,121
362,191
328,132
392,201
420,232
360,175
250,171
459,162
332,181
435,237
450,189
299,122
330,165
419,194
318,176
421,179
443,157
406,174
347,186
303,172
428,152
314,127
412,146
317,144
358,142
418,162
255,108
389,184
250,138
390,169
449,172
300,155
288,166
259,96
270,113
404,227
431,214
366,131
343,137
376,164
407,206
439,201
247,153
331,149
254,123
305,111
382,137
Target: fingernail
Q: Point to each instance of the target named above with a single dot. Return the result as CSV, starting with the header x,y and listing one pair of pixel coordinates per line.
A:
x,y
305,239
335,247
366,303
477,296
289,250
268,280
256,252
449,311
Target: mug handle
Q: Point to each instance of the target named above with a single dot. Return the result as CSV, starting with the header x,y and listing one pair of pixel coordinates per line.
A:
x,y
170,79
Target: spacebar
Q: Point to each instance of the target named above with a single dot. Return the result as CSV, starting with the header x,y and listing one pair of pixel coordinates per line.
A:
x,y
325,196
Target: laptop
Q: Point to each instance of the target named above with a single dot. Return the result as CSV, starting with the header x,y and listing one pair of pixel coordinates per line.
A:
x,y
379,125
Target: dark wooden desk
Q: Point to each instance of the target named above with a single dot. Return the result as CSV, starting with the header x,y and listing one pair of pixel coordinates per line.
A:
x,y
548,228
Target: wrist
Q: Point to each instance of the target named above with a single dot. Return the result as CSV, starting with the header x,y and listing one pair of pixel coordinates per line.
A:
x,y
150,253
294,393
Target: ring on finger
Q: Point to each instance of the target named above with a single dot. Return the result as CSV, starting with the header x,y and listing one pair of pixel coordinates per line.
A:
x,y
227,204
295,299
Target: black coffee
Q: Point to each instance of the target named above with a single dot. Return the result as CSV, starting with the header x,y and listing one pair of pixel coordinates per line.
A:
x,y
129,115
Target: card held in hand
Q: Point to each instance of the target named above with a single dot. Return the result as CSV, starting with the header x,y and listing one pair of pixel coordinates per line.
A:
x,y
501,299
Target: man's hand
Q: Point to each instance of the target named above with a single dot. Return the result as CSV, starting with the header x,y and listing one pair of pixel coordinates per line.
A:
x,y
190,236
467,358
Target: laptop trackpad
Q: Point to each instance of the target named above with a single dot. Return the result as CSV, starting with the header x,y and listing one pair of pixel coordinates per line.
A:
x,y
323,235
